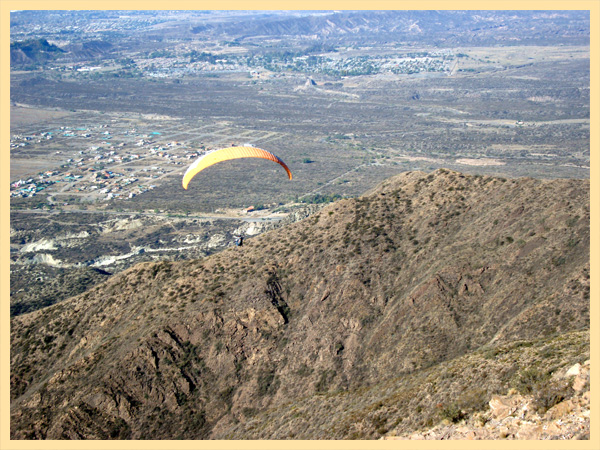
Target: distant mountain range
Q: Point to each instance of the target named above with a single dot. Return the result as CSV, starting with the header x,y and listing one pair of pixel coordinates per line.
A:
x,y
432,28
443,28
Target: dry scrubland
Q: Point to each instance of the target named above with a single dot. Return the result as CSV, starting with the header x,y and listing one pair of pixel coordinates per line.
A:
x,y
376,316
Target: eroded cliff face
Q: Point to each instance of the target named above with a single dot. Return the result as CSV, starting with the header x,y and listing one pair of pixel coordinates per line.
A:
x,y
311,317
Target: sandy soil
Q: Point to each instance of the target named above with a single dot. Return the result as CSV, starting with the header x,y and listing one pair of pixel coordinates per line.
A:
x,y
480,162
23,115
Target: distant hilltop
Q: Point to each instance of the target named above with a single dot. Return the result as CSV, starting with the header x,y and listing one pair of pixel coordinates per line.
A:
x,y
33,51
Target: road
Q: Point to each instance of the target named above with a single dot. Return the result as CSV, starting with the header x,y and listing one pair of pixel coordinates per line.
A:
x,y
132,213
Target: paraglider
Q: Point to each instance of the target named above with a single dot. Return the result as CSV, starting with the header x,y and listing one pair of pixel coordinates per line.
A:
x,y
226,154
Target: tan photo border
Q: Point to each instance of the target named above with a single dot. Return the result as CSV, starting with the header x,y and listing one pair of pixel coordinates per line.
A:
x,y
593,6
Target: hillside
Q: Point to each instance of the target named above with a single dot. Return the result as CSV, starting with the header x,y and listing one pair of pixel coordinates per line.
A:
x,y
381,315
33,51
88,50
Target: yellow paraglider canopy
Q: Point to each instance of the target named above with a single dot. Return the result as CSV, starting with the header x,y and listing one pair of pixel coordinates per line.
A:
x,y
226,154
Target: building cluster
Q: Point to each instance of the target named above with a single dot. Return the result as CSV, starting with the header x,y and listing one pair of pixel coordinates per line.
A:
x,y
366,65
178,63
19,140
122,163
339,65
30,186
180,66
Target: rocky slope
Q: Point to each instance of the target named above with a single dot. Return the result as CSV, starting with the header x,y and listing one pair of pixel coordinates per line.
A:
x,y
328,327
48,285
516,416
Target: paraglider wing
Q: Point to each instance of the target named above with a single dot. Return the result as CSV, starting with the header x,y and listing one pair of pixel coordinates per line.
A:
x,y
226,154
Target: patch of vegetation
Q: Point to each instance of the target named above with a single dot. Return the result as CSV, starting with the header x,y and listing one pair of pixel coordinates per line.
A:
x,y
267,382
551,394
452,412
320,198
530,380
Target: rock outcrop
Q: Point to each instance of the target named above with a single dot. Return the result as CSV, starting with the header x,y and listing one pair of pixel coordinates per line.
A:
x,y
516,416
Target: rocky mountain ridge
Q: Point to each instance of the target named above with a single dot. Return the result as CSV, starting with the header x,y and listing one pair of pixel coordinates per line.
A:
x,y
337,319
